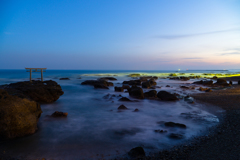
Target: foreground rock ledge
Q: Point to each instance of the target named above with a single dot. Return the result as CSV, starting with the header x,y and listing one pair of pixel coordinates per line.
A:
x,y
18,117
42,92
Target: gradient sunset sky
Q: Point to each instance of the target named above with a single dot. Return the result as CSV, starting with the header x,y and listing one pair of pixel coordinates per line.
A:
x,y
120,34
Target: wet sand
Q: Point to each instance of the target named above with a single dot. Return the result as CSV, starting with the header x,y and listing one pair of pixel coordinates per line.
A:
x,y
221,142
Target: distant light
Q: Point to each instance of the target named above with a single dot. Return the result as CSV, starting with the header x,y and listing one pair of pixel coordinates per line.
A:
x,y
179,69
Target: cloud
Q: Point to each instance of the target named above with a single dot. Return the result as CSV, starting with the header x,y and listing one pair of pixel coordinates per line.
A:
x,y
170,37
230,53
193,58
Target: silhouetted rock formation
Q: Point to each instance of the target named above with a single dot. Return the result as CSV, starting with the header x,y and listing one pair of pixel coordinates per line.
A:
x,y
42,92
18,117
136,92
166,96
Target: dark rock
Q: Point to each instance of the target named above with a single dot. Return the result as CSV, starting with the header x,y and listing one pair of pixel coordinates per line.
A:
x,y
136,152
155,77
101,86
136,92
214,77
59,114
125,86
145,78
133,82
42,92
64,79
146,84
18,117
151,94
118,89
124,99
172,124
122,107
136,110
184,78
97,82
166,96
176,136
202,89
204,82
108,78
174,78
221,81
167,86
208,90
230,82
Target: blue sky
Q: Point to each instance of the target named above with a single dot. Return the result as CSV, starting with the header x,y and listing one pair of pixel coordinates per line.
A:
x,y
120,34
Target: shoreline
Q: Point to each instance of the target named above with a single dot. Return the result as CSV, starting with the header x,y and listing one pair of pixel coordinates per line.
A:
x,y
220,142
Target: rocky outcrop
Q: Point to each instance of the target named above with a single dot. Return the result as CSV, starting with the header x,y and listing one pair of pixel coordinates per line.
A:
x,y
59,114
64,79
125,99
149,83
150,94
172,124
136,92
176,136
122,107
125,86
137,152
118,89
133,82
102,84
222,82
203,82
166,96
42,92
18,117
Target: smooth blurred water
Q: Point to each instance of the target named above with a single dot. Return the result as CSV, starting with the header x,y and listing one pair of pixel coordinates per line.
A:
x,y
95,128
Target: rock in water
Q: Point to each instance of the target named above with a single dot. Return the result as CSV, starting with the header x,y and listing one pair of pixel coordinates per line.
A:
x,y
166,96
59,114
118,89
42,92
136,92
136,152
64,79
172,124
151,94
18,117
122,107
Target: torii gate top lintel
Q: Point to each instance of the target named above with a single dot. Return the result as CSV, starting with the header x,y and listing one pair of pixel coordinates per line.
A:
x,y
36,70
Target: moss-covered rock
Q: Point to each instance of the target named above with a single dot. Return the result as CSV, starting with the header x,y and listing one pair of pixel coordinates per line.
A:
x,y
18,117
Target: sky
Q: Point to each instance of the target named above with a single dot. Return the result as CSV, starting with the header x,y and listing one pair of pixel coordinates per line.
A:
x,y
120,34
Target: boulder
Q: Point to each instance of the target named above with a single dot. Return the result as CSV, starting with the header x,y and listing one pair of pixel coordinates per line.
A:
x,y
133,82
101,86
221,81
97,82
18,117
59,114
167,86
150,94
64,79
118,89
124,99
166,96
122,107
136,92
172,124
136,152
125,86
204,82
136,110
239,82
160,131
42,92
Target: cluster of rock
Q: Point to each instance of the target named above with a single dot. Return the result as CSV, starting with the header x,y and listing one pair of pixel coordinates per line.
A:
x,y
100,83
20,108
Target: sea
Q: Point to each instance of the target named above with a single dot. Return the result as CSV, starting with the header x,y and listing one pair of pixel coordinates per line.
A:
x,y
96,129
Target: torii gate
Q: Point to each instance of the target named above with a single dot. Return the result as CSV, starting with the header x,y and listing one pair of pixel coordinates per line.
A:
x,y
36,70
